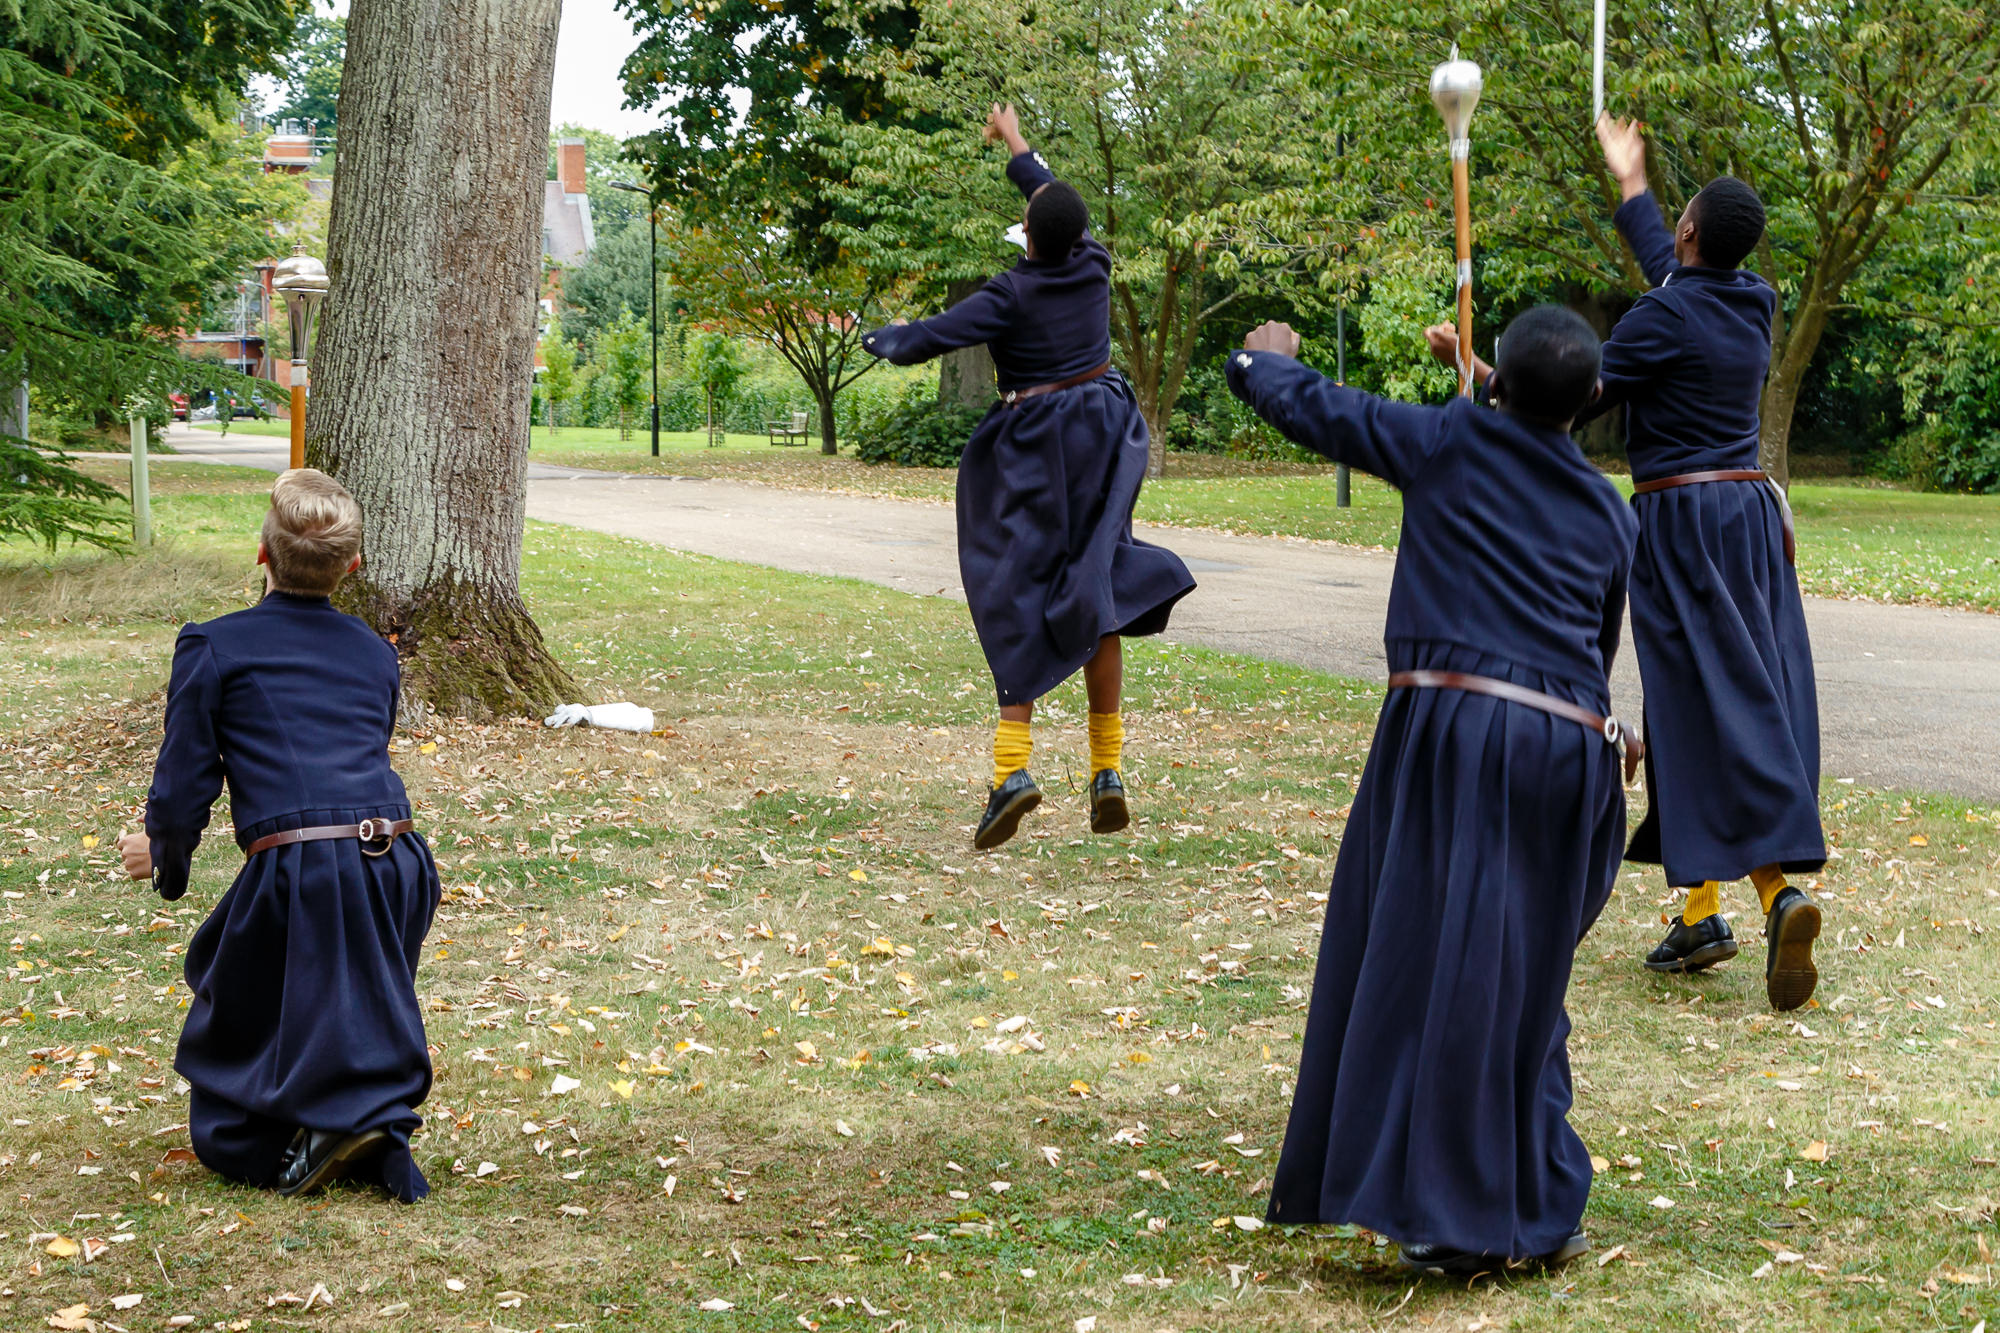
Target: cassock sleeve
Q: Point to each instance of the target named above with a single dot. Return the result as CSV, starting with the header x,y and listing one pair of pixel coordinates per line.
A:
x,y
1648,342
1029,173
1639,222
979,318
1614,616
188,775
1390,440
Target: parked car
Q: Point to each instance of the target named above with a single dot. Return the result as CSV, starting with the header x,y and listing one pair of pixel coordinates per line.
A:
x,y
178,404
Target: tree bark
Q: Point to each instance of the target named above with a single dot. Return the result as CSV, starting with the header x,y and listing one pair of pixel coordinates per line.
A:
x,y
426,361
829,442
965,376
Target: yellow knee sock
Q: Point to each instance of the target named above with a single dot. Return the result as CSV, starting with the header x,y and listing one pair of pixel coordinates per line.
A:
x,y
1770,882
1107,742
1013,744
1704,901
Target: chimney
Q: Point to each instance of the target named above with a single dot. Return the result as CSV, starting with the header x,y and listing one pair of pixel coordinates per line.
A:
x,y
569,165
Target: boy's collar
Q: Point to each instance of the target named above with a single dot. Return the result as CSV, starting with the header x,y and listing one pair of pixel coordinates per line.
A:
x,y
297,598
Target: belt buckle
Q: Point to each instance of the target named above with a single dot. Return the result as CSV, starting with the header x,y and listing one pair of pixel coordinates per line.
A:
x,y
1011,397
373,831
1613,733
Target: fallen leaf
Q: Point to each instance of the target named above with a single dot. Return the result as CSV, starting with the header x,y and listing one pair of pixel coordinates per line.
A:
x,y
1814,1151
563,1083
1662,1201
716,1305
62,1247
125,1302
72,1317
842,1128
1087,1324
1614,1253
623,1087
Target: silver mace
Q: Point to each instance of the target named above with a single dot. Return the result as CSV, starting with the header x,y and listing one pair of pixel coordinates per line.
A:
x,y
1455,89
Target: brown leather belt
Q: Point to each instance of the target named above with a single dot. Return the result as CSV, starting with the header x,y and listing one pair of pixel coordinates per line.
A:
x,y
1013,397
1738,474
376,835
1614,732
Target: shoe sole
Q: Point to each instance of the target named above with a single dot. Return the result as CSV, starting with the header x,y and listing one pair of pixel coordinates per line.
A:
x,y
352,1152
1109,815
1707,956
1792,978
1007,822
1473,1265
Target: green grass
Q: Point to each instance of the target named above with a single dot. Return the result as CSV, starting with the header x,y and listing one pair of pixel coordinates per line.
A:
x,y
760,941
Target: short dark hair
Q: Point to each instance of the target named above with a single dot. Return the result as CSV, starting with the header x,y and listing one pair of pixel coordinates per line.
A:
x,y
1549,362
1057,220
1728,222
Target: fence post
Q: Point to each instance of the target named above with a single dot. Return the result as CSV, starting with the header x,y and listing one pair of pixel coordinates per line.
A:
x,y
142,497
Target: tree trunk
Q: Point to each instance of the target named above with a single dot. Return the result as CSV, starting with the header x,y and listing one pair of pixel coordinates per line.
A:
x,y
966,376
1799,340
427,357
829,443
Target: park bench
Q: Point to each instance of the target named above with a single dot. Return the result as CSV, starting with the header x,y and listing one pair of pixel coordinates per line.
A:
x,y
790,431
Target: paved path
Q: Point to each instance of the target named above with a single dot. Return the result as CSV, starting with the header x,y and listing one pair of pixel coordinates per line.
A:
x,y
1909,696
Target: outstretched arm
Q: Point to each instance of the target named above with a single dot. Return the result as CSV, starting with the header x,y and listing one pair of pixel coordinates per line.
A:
x,y
979,318
188,775
1393,441
1638,218
1645,346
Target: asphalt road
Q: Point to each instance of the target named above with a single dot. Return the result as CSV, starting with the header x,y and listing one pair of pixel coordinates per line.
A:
x,y
1909,696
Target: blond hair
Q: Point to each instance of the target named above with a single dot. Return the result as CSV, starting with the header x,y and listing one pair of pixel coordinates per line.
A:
x,y
312,532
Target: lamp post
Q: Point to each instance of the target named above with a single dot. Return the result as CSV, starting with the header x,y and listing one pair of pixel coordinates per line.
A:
x,y
652,298
1455,87
302,281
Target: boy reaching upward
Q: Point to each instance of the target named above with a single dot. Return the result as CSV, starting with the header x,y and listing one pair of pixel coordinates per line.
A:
x,y
1485,834
1732,713
1053,576
304,1045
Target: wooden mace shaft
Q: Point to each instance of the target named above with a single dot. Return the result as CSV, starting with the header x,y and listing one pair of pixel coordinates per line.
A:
x,y
1461,207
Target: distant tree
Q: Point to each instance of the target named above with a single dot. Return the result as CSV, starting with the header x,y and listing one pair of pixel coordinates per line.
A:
x,y
559,373
312,71
749,279
617,276
716,362
620,356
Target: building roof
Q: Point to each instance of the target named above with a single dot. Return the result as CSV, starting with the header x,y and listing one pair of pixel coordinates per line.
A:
x,y
567,234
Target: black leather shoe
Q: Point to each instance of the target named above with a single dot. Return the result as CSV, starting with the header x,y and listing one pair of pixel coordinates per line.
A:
x,y
1004,808
1107,802
1790,929
319,1158
1691,948
1437,1261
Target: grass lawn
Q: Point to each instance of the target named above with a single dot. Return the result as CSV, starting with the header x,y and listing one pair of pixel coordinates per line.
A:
x,y
834,1070
1856,539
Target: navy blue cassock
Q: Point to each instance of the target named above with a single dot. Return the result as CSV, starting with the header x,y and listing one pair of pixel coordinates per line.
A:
x,y
304,1008
1434,1084
1046,489
1732,713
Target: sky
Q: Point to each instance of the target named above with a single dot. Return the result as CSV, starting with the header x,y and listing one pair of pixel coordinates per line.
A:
x,y
593,42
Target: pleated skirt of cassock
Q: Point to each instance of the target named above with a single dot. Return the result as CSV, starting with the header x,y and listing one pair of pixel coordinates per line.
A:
x,y
1045,545
304,1011
1732,713
1434,1084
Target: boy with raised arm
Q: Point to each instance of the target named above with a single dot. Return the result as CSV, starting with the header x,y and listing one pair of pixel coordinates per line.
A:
x,y
1485,833
1732,713
304,1046
1052,574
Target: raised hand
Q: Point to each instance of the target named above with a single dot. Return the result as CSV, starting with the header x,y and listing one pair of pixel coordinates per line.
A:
x,y
1273,336
1443,340
1624,152
1003,125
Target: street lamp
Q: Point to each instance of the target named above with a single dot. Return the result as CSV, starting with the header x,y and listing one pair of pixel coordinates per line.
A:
x,y
652,298
301,280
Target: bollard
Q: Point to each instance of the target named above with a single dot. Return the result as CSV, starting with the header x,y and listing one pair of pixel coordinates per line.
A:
x,y
142,497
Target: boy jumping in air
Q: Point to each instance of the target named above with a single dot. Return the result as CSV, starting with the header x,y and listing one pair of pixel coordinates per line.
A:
x,y
1052,574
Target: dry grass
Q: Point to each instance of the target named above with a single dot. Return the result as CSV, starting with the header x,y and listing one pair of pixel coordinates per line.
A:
x,y
760,944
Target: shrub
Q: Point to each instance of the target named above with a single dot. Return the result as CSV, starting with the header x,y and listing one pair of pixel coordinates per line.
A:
x,y
917,432
1946,456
